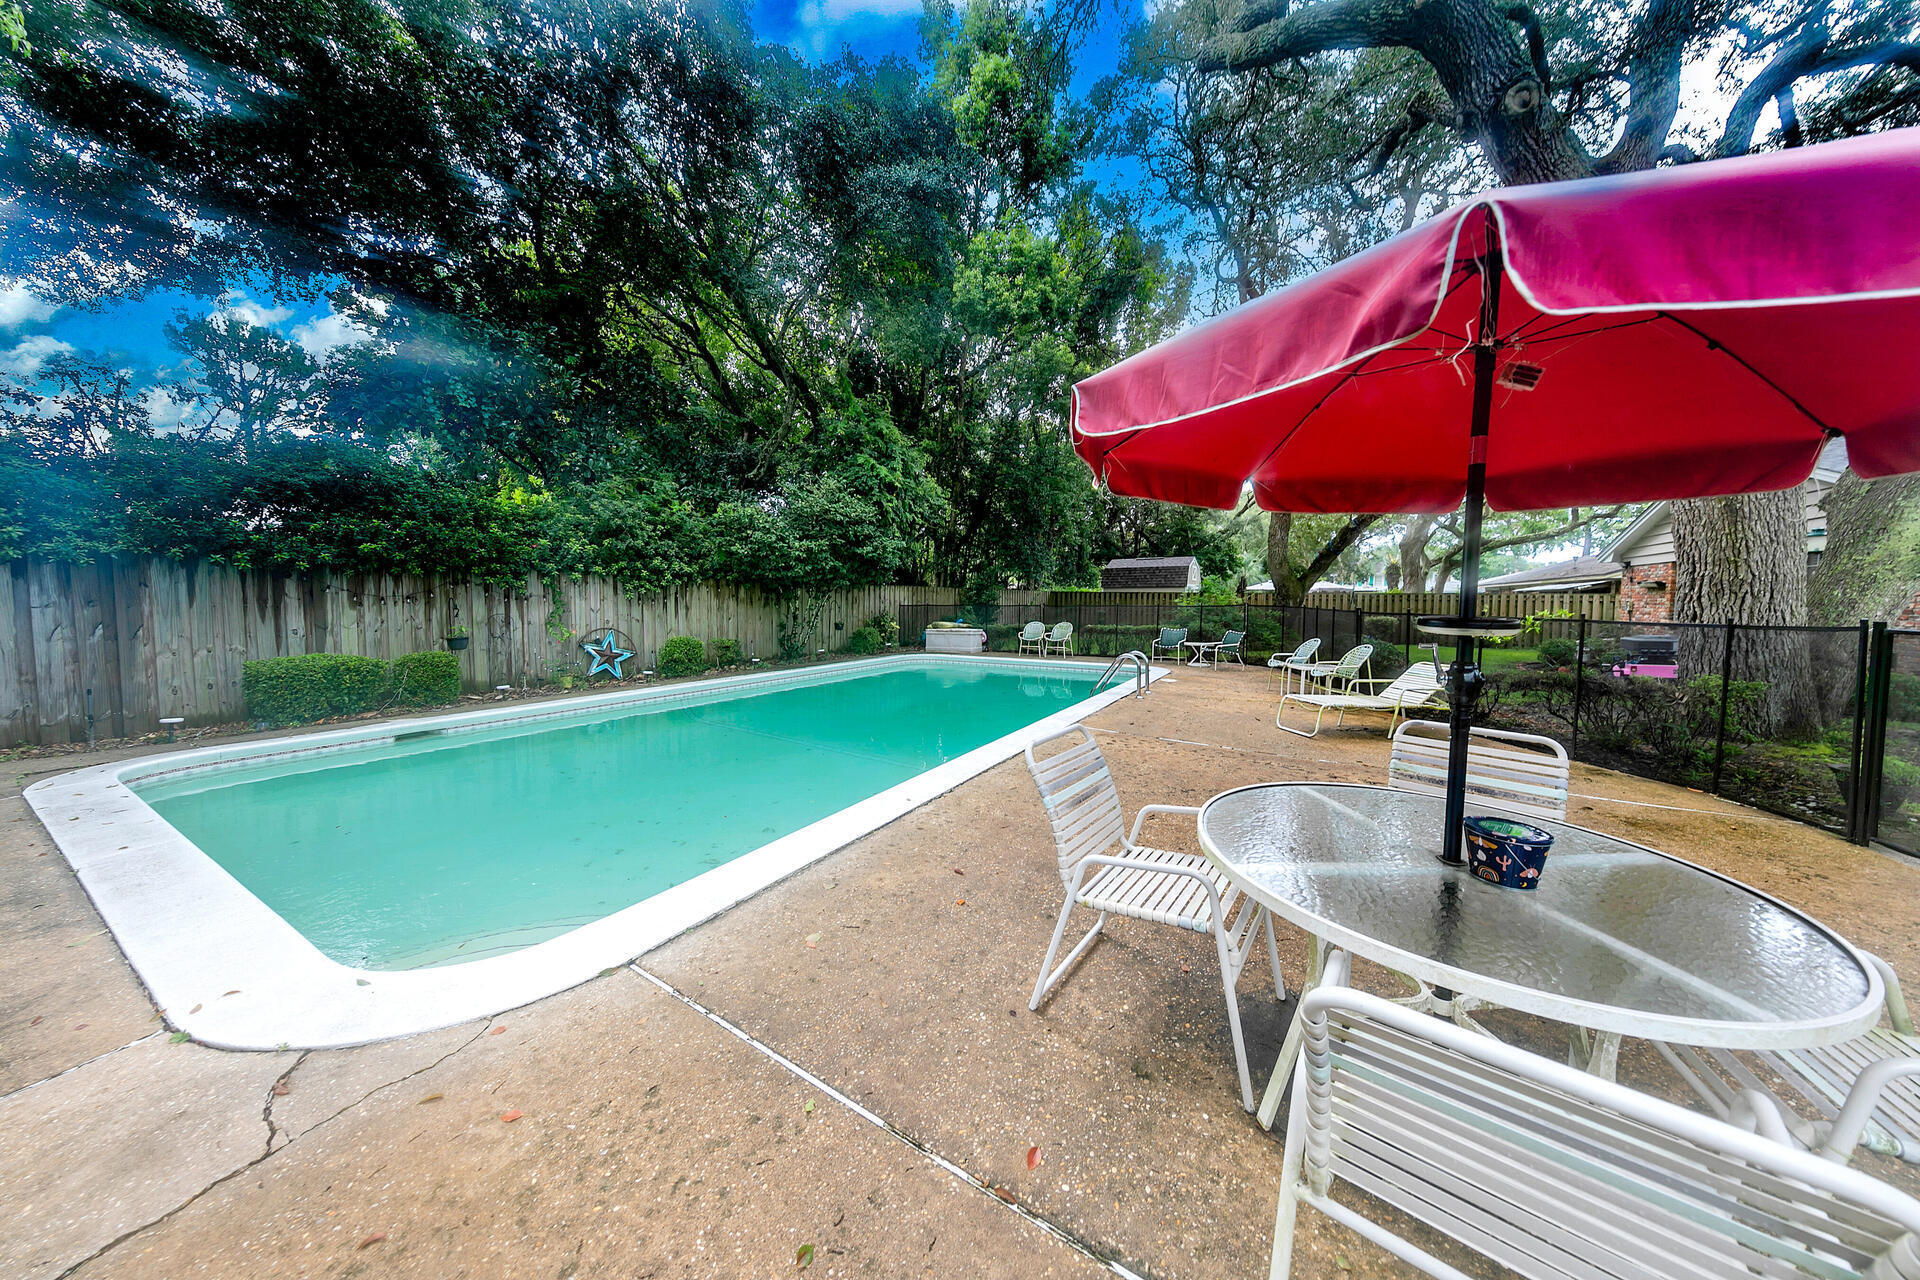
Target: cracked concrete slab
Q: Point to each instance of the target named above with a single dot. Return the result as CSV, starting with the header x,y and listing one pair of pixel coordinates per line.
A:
x,y
650,1144
121,1141
324,1084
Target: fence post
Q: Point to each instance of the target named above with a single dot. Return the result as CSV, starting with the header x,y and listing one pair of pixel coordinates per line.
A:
x,y
1874,756
1856,788
1726,678
1359,626
1579,681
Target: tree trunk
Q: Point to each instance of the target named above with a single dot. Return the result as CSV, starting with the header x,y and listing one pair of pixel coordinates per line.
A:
x,y
1745,558
1871,567
1287,587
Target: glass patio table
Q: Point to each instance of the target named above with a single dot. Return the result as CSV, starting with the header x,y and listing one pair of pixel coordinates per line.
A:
x,y
1618,939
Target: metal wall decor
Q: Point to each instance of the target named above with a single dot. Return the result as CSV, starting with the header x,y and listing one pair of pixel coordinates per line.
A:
x,y
609,649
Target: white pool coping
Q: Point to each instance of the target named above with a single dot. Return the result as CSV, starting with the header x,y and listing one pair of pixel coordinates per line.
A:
x,y
229,971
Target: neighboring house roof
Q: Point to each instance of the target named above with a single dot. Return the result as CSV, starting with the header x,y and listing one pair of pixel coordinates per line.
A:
x,y
1568,575
1151,573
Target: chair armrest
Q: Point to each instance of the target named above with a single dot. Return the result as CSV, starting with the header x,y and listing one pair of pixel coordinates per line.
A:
x,y
1140,818
1862,1098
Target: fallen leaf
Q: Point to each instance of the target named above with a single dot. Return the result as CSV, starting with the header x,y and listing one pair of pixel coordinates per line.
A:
x,y
609,971
959,902
234,992
432,1097
510,1116
496,1031
813,940
37,1021
361,982
957,871
197,1008
79,1026
375,1238
281,1088
179,1037
809,1107
1004,1194
803,1257
1340,1261
1033,1157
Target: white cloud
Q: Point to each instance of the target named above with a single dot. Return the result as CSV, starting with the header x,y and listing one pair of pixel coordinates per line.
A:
x,y
322,334
163,411
818,21
241,307
20,305
30,354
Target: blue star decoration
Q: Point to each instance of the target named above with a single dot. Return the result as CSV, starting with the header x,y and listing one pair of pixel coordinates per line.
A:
x,y
607,656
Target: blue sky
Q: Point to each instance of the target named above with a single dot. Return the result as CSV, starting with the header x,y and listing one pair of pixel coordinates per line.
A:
x,y
132,333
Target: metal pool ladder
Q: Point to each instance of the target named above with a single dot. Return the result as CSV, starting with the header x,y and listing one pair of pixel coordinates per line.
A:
x,y
1139,661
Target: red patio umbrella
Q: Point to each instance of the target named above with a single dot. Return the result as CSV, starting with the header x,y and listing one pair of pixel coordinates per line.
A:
x,y
1678,333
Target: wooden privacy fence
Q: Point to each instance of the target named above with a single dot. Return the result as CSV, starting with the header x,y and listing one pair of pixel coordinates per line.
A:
x,y
1597,606
155,638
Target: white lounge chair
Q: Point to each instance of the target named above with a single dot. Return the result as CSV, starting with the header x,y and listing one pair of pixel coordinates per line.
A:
x,y
1552,1172
1058,640
1865,1091
1300,660
1517,772
1167,643
1413,689
1105,869
1032,637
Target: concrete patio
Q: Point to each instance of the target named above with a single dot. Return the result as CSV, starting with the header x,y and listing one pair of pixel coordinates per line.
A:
x,y
652,1140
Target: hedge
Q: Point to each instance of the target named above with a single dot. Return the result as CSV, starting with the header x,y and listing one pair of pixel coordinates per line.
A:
x,y
682,656
315,686
312,686
424,679
863,640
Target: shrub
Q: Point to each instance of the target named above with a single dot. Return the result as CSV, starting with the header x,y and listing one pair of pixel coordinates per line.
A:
x,y
887,625
313,686
1558,651
727,653
682,656
1000,639
1903,696
423,679
863,640
1387,659
1385,624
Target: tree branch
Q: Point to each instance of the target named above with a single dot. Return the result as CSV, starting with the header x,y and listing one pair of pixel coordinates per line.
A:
x,y
1808,54
1266,34
1421,112
1653,84
1343,538
1536,41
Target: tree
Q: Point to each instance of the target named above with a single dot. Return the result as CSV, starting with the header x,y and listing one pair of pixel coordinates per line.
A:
x,y
1572,92
249,380
1429,547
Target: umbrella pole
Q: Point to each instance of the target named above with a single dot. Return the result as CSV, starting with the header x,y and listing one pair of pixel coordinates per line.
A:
x,y
1466,677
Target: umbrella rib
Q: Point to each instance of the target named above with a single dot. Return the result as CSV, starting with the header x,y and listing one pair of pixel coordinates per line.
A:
x,y
1714,344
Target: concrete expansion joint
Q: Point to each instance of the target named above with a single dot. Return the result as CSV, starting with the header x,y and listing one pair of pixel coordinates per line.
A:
x,y
79,1066
1073,1241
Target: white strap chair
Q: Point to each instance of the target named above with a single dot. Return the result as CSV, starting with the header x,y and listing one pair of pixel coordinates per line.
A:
x,y
1416,688
1300,660
1552,1172
1032,637
1865,1091
1517,772
1181,889
1058,640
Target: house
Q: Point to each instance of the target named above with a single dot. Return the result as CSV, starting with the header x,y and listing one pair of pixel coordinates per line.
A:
x,y
1645,549
1153,573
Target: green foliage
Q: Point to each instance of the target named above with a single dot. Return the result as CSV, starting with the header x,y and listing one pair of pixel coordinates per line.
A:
x,y
314,686
1895,772
887,626
424,679
1903,696
682,656
727,653
863,640
1557,651
980,600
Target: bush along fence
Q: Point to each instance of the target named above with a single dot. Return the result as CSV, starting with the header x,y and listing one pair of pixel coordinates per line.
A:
x,y
1821,724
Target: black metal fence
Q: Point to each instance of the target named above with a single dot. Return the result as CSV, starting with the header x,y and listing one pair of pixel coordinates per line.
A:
x,y
1821,724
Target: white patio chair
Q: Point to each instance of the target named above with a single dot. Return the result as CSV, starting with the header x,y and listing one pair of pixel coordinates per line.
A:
x,y
1552,1172
1032,637
1167,643
1300,660
1517,772
1338,676
1414,689
1058,640
1105,869
1864,1091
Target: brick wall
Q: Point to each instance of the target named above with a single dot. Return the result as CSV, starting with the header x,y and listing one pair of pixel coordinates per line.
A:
x,y
1640,603
1910,616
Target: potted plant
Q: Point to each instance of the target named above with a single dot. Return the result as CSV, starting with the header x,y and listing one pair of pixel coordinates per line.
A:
x,y
457,639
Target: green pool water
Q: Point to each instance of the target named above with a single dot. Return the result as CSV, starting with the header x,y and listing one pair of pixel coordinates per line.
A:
x,y
448,848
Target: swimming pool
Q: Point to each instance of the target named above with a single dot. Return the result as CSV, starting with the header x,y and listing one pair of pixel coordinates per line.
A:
x,y
345,886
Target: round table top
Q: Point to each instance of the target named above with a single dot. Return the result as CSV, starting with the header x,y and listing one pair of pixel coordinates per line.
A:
x,y
1617,937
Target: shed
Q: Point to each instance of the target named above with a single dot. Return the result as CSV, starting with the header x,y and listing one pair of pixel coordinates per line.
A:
x,y
1152,573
